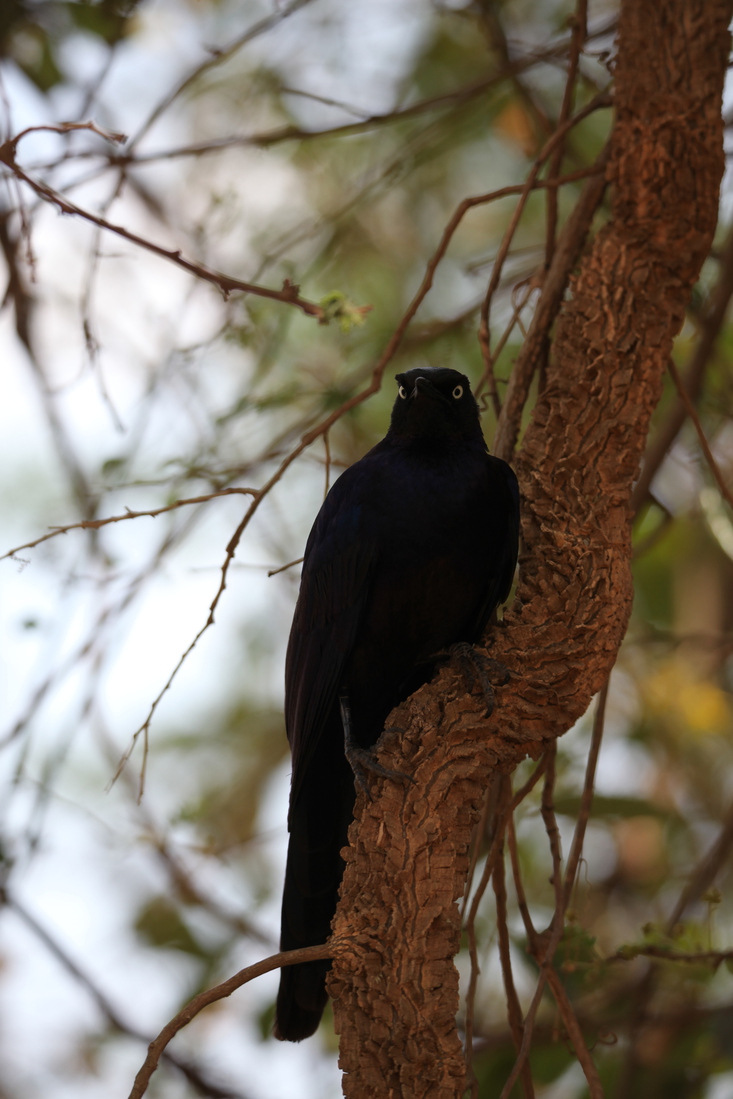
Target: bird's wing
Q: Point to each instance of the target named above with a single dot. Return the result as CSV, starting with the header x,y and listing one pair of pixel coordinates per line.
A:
x,y
511,542
338,562
506,504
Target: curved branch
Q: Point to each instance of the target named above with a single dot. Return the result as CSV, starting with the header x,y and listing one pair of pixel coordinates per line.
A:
x,y
396,998
220,992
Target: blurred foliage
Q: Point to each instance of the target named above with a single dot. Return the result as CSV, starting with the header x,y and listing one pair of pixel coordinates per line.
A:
x,y
32,32
353,219
237,759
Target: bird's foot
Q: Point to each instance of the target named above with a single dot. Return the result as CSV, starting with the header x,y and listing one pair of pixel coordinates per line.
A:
x,y
364,762
476,665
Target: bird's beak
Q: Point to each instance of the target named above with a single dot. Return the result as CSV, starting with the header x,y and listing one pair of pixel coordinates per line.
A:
x,y
425,387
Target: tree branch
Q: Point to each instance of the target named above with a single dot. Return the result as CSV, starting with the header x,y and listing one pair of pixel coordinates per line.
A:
x,y
289,294
711,322
95,524
692,413
220,992
395,1000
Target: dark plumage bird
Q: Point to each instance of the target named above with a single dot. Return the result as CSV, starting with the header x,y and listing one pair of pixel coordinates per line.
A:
x,y
412,551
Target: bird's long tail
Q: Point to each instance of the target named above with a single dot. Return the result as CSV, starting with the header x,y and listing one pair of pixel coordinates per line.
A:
x,y
319,821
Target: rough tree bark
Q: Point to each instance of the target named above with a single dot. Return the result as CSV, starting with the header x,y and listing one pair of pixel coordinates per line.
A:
x,y
395,986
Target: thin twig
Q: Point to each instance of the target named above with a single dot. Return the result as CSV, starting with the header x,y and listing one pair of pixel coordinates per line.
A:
x,y
577,38
514,1011
470,927
558,919
282,568
565,255
456,98
23,302
95,524
706,871
220,992
484,335
701,879
586,800
575,1033
504,818
711,322
529,1024
715,958
289,294
217,57
553,832
90,645
522,905
543,946
181,877
66,128
692,413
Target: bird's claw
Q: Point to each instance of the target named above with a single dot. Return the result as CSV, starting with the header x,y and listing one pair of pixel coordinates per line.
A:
x,y
361,761
477,665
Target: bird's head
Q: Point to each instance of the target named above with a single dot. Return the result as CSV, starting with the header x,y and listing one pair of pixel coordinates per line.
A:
x,y
435,403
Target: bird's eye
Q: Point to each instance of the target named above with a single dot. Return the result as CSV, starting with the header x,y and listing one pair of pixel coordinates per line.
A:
x,y
402,392
458,392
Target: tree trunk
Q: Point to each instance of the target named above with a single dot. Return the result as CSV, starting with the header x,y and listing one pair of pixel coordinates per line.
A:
x,y
395,987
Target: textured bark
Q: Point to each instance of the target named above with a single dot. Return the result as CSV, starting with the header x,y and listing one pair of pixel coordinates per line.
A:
x,y
395,987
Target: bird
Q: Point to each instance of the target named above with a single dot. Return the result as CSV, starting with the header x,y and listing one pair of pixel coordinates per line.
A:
x,y
411,552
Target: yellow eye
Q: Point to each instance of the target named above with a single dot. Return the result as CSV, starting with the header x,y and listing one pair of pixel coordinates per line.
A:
x,y
458,392
402,392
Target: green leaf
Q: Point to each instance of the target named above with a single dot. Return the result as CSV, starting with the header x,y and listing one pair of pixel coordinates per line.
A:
x,y
337,307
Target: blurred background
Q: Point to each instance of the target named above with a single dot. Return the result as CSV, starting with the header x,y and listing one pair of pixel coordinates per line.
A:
x,y
328,144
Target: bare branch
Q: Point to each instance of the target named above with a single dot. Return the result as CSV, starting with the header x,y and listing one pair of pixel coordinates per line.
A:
x,y
484,334
217,58
495,855
282,568
514,1011
711,322
692,413
95,524
565,255
586,800
543,946
289,294
706,871
220,992
714,958
575,1033
577,38
66,128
